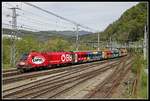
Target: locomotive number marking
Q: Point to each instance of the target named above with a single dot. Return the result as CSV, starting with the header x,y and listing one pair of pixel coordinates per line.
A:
x,y
66,57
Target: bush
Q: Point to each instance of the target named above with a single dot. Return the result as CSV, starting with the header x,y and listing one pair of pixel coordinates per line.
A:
x,y
140,63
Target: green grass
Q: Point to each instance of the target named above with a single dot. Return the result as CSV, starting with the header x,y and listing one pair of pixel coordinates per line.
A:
x,y
6,66
144,86
144,89
140,63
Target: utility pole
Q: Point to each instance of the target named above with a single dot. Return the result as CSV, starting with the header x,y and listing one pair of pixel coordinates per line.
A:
x,y
77,37
125,45
145,43
98,41
13,37
110,43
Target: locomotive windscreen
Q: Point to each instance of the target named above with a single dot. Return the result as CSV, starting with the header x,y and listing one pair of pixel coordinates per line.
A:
x,y
24,56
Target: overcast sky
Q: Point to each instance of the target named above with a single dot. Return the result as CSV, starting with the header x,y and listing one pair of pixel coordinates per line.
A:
x,y
96,15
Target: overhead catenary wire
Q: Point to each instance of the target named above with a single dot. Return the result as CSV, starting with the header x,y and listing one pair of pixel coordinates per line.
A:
x,y
43,16
36,25
56,23
63,18
21,27
32,13
49,20
36,15
37,21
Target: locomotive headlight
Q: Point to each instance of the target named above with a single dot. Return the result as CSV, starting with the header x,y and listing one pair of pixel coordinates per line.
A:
x,y
22,63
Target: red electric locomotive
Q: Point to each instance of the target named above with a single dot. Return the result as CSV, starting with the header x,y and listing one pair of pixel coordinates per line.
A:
x,y
45,59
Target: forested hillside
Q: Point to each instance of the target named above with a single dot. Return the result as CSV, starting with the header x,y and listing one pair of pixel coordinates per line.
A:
x,y
129,27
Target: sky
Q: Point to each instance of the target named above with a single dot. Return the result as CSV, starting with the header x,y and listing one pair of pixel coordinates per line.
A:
x,y
95,15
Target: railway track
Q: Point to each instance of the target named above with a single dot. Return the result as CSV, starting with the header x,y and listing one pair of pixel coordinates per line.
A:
x,y
9,70
13,75
10,73
106,89
51,86
69,70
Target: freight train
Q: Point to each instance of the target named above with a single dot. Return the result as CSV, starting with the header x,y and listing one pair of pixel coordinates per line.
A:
x,y
35,60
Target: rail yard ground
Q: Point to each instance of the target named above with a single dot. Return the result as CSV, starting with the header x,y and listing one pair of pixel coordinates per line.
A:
x,y
124,89
101,79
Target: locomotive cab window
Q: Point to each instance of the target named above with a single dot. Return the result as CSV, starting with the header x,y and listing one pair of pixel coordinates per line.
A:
x,y
24,56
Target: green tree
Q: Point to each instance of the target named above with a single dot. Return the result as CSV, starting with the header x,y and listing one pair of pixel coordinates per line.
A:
x,y
6,50
57,44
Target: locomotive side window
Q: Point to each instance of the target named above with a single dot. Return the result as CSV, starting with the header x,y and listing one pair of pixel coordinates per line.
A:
x,y
24,56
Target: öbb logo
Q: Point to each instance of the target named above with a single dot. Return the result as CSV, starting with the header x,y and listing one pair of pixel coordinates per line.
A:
x,y
38,59
66,57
